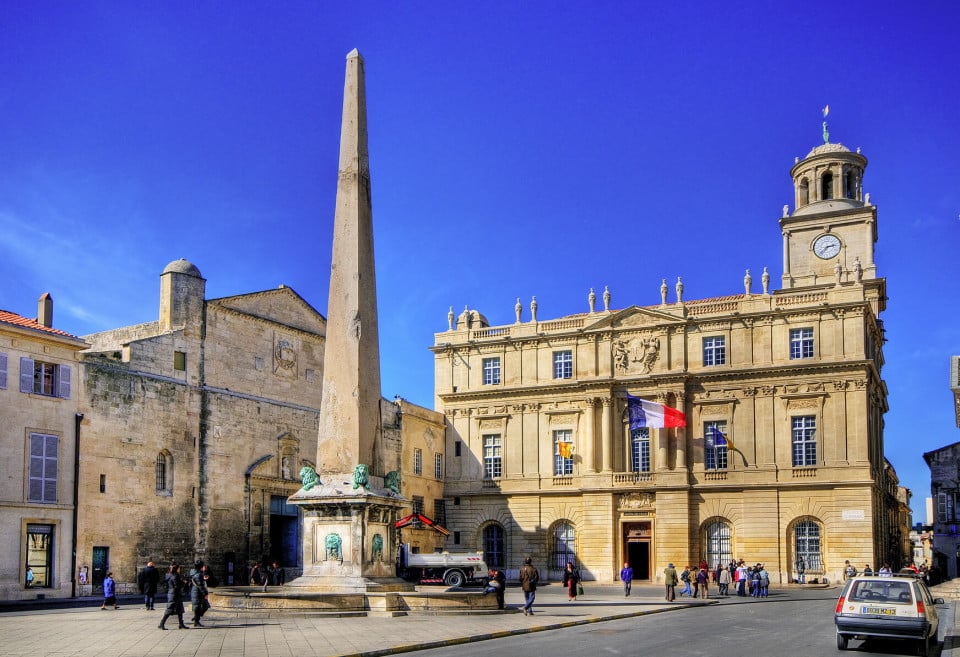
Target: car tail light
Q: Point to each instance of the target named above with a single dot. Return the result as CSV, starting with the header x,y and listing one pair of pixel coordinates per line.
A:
x,y
839,605
921,610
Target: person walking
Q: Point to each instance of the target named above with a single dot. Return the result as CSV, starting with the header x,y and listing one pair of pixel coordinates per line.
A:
x,y
801,570
571,578
755,581
198,592
670,582
175,590
30,578
148,579
109,592
685,578
529,576
626,576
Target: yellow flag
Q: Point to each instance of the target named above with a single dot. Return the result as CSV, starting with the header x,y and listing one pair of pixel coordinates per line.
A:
x,y
826,110
565,449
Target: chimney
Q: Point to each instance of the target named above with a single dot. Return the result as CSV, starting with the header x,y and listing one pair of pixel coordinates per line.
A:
x,y
45,310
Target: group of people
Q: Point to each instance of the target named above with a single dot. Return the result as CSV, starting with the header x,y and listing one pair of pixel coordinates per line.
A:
x,y
178,587
272,575
748,580
529,578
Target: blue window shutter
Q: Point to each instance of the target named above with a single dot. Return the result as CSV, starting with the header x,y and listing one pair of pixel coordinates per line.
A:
x,y
35,491
63,384
26,374
3,371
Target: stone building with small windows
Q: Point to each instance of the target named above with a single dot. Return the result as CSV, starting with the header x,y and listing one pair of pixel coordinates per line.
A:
x,y
196,428
782,454
38,404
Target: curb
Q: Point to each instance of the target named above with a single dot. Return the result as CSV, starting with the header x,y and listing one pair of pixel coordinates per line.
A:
x,y
444,643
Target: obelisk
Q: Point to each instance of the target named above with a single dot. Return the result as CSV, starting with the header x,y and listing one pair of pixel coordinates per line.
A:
x,y
349,426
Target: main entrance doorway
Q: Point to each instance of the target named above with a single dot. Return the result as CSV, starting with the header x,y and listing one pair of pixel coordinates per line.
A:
x,y
636,549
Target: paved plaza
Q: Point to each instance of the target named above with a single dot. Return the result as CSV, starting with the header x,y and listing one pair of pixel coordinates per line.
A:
x,y
31,630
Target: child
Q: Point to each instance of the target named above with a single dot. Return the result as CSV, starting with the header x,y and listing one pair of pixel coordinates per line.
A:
x,y
109,592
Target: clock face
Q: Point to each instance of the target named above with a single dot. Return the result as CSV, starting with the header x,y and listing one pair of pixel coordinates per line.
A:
x,y
826,246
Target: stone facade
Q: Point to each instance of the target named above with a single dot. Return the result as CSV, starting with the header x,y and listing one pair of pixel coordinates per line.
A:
x,y
791,377
944,464
196,428
38,403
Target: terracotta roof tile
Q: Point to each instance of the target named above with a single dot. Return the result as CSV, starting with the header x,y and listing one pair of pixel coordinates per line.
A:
x,y
7,317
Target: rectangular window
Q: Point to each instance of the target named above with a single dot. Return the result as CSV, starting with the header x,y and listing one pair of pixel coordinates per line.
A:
x,y
491,371
417,505
456,538
715,445
492,456
417,461
103,483
456,447
440,512
3,371
40,555
640,450
562,453
801,343
180,361
714,351
438,466
44,378
42,485
804,441
562,364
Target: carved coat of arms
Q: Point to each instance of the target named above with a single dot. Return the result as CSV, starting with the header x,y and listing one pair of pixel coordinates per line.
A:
x,y
643,352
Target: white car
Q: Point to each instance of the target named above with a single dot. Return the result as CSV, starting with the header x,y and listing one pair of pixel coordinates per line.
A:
x,y
898,607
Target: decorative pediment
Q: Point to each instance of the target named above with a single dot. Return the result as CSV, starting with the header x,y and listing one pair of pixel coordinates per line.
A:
x,y
635,317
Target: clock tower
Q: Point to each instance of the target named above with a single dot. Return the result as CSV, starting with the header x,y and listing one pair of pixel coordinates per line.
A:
x,y
829,238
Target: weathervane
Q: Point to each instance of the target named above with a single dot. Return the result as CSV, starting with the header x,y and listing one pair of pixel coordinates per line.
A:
x,y
826,134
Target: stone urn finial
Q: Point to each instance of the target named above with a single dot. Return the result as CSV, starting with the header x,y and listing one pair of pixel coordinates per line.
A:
x,y
533,309
606,297
679,290
765,280
450,319
518,309
747,283
663,292
592,301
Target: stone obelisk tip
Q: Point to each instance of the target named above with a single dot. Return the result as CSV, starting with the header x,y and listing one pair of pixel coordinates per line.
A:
x,y
354,54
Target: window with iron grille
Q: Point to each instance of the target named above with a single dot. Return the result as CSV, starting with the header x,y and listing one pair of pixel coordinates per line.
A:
x,y
563,546
806,536
417,461
718,551
438,466
491,371
417,505
492,456
493,545
440,512
804,441
562,364
801,343
714,351
640,450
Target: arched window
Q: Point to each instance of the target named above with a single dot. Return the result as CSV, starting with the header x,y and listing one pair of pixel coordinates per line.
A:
x,y
849,184
804,193
806,541
826,186
164,473
562,548
640,450
493,545
717,537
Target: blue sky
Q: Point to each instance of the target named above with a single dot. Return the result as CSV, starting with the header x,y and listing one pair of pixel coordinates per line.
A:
x,y
516,149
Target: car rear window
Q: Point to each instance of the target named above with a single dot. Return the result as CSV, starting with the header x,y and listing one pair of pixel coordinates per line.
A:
x,y
888,591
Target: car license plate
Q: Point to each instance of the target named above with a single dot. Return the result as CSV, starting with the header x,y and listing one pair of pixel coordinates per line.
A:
x,y
882,611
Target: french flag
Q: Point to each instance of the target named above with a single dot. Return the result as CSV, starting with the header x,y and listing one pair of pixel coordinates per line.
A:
x,y
652,415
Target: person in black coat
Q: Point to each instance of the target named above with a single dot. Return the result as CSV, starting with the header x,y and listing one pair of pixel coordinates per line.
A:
x,y
148,579
175,590
198,592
